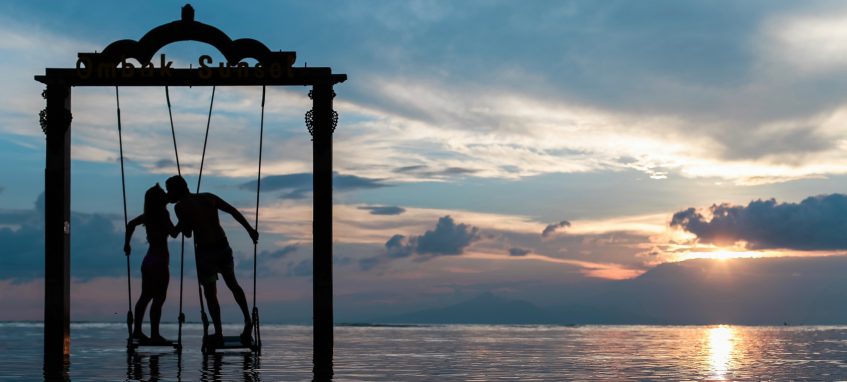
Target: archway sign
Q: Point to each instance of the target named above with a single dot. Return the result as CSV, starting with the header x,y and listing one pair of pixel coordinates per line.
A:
x,y
110,68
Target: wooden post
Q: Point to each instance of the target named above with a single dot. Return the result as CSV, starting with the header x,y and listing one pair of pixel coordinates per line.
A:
x,y
57,217
322,124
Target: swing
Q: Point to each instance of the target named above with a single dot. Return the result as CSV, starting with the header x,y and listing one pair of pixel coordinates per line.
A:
x,y
134,343
208,346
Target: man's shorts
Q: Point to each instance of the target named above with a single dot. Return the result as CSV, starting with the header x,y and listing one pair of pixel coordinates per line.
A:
x,y
212,259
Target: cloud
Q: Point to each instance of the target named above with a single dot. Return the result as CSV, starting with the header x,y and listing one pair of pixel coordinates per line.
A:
x,y
447,239
282,252
423,171
384,210
296,194
553,227
816,223
269,262
304,268
678,109
96,244
414,168
591,246
299,185
519,251
399,246
369,263
352,182
164,164
18,217
280,182
809,41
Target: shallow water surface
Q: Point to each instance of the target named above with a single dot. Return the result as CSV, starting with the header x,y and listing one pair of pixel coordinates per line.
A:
x,y
454,352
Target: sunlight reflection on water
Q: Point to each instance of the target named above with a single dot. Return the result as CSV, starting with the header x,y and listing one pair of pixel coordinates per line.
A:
x,y
457,353
720,350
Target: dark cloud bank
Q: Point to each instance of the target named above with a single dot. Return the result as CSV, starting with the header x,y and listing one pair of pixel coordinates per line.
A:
x,y
447,239
816,223
427,172
384,210
96,245
299,186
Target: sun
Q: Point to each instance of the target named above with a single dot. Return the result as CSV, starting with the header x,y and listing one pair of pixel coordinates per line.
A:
x,y
726,254
721,253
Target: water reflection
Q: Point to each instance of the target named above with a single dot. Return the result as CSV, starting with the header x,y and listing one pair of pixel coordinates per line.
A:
x,y
145,367
456,353
58,375
221,366
721,344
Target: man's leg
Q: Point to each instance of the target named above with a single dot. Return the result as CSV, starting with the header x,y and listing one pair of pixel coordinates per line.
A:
x,y
240,298
211,292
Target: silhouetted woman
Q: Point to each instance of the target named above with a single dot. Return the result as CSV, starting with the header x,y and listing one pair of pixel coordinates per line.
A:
x,y
154,269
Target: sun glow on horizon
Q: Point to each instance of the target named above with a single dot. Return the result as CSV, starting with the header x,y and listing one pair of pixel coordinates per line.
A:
x,y
739,252
725,254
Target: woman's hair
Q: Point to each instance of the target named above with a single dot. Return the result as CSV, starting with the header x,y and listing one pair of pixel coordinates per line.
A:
x,y
155,211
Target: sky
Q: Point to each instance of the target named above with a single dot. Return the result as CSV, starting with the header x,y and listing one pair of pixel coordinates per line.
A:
x,y
518,148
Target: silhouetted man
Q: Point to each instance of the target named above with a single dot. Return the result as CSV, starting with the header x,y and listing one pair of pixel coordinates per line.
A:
x,y
198,215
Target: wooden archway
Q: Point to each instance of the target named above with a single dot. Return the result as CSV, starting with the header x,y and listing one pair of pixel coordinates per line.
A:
x,y
111,68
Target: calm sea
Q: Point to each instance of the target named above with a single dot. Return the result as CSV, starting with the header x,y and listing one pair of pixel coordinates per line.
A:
x,y
456,353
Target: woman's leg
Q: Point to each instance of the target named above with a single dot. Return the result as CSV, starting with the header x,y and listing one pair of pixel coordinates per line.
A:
x,y
162,280
141,307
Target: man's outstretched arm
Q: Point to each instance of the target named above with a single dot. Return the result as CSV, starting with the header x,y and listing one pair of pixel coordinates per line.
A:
x,y
226,207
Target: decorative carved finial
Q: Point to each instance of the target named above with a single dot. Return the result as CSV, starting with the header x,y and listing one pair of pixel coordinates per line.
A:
x,y
310,121
187,13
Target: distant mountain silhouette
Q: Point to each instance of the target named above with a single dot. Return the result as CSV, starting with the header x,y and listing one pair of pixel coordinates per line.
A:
x,y
760,291
740,291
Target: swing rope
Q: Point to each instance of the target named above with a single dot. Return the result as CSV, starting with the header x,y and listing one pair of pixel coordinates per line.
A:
x,y
181,317
205,140
173,131
129,317
203,315
256,331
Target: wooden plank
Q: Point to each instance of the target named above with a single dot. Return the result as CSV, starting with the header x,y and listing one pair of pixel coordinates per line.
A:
x,y
135,343
230,343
